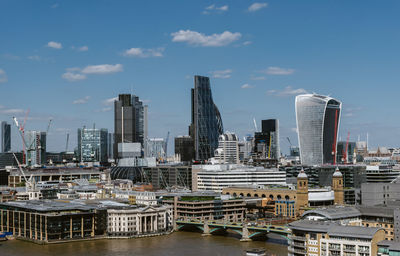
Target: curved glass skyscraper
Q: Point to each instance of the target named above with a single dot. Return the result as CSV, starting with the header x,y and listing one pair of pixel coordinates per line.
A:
x,y
317,118
206,123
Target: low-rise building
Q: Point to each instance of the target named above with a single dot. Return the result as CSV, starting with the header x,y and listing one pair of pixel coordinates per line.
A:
x,y
136,221
314,238
388,248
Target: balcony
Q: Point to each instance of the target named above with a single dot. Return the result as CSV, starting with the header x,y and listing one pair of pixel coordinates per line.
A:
x,y
298,238
299,251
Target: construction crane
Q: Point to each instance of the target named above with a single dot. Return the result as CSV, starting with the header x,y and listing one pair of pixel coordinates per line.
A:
x,y
21,130
289,141
255,124
28,183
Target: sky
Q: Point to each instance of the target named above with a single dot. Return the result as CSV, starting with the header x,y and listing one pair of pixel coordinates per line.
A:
x,y
67,60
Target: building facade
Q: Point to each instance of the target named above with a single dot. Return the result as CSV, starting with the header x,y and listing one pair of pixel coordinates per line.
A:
x,y
184,148
35,148
136,221
228,149
270,128
206,123
130,121
318,119
93,145
5,137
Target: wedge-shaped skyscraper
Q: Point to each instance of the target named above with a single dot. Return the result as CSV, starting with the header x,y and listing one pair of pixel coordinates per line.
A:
x,y
317,118
206,123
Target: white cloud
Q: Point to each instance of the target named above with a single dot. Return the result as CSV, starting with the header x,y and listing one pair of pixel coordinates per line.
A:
x,y
11,111
55,6
106,109
109,102
256,6
247,86
144,53
73,77
200,39
34,57
257,78
214,8
278,71
224,74
3,76
288,91
83,48
81,101
102,69
247,42
54,45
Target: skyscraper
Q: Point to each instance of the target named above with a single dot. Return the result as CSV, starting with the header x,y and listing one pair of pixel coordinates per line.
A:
x,y
317,118
130,121
35,148
206,123
93,145
270,128
5,137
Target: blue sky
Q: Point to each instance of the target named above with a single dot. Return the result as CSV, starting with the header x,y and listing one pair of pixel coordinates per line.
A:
x,y
65,59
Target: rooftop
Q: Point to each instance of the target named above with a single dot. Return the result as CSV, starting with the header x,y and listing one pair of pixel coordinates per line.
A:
x,y
334,213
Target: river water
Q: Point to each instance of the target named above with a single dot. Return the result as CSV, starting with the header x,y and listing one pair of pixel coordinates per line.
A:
x,y
177,243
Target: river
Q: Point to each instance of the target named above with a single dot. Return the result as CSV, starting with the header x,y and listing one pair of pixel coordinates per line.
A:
x,y
177,243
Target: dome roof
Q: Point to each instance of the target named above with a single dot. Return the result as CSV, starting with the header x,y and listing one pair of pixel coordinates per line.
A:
x,y
337,173
302,174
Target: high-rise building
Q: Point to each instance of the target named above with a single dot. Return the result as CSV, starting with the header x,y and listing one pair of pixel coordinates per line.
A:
x,y
317,118
5,137
110,146
35,148
184,148
92,145
228,149
270,128
130,121
206,123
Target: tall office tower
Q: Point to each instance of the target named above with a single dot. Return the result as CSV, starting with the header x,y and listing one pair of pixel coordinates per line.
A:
x,y
130,119
5,137
155,147
270,128
92,145
35,148
110,146
317,118
184,148
206,123
228,149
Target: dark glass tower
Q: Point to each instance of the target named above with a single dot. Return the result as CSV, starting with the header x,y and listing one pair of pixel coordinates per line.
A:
x,y
128,121
206,123
5,137
270,128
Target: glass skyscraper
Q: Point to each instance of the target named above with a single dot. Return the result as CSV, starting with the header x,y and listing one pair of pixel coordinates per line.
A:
x,y
317,118
92,145
130,121
206,123
5,137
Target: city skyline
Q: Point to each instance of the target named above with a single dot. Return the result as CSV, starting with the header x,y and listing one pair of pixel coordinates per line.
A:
x,y
78,59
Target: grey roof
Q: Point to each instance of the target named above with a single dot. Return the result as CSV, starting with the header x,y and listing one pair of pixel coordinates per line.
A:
x,y
377,211
334,229
353,231
392,245
311,225
47,205
335,213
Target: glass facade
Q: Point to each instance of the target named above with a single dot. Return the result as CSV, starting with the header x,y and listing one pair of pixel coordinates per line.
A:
x,y
317,119
92,145
5,137
206,120
129,121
